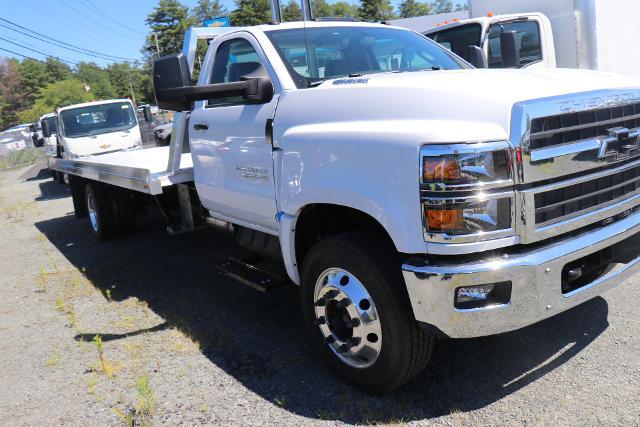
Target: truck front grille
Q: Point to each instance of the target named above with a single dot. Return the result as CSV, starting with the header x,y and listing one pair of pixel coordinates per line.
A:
x,y
573,200
577,126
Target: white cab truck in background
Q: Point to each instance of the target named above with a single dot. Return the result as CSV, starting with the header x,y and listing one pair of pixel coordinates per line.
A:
x,y
408,195
587,34
50,141
90,129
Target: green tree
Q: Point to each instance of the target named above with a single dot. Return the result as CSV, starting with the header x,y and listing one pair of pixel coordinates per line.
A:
x,y
34,76
124,76
343,8
12,92
411,8
57,70
96,78
251,12
207,9
169,21
291,12
55,95
442,6
320,8
375,10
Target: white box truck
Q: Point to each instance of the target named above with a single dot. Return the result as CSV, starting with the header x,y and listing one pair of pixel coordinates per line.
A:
x,y
406,193
588,34
91,129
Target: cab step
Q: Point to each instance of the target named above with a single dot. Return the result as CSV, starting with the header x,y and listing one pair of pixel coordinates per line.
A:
x,y
247,273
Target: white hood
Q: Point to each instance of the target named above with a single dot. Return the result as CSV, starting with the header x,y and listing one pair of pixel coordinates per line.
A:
x,y
436,106
103,143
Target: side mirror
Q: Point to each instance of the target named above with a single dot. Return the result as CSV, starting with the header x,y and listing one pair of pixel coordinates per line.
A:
x,y
477,58
169,73
260,88
509,49
174,91
46,130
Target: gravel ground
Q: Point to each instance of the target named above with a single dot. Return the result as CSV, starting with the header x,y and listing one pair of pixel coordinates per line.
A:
x,y
181,345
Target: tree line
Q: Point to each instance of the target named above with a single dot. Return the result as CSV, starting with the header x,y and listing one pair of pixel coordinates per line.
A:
x,y
31,88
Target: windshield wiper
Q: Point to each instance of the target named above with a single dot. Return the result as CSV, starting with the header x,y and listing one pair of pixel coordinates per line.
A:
x,y
316,82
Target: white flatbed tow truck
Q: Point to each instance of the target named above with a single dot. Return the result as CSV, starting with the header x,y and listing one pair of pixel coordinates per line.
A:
x,y
408,195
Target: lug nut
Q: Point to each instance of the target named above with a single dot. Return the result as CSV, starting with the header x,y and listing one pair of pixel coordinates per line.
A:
x,y
320,321
344,348
330,339
353,323
355,340
344,303
331,294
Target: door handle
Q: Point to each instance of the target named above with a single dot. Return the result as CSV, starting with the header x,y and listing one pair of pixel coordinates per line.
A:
x,y
201,126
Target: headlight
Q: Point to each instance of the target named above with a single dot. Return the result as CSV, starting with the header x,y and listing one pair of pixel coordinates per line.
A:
x,y
460,170
467,192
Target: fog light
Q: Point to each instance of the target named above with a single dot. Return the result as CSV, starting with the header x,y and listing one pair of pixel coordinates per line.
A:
x,y
482,296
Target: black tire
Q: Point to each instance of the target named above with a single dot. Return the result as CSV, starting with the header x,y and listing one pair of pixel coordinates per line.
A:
x,y
405,348
101,211
59,177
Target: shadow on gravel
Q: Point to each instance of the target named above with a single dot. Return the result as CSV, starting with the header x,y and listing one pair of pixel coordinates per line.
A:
x,y
37,173
259,338
51,190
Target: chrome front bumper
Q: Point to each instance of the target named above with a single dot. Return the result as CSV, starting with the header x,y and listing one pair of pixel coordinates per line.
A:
x,y
536,282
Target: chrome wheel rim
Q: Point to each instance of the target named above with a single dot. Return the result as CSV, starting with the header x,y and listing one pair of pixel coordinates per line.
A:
x,y
91,208
347,318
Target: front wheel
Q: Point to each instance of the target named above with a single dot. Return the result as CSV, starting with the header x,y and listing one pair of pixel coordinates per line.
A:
x,y
356,307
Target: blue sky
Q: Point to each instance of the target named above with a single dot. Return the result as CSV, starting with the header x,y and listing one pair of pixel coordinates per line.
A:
x,y
114,27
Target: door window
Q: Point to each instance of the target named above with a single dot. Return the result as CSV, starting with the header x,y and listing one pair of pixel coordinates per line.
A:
x,y
458,39
234,59
527,37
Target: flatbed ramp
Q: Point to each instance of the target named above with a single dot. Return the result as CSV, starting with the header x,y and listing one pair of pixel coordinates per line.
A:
x,y
140,170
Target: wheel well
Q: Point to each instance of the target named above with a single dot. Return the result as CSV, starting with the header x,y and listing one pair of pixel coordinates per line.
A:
x,y
319,221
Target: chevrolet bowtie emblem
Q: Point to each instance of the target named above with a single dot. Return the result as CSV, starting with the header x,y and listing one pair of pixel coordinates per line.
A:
x,y
103,146
619,143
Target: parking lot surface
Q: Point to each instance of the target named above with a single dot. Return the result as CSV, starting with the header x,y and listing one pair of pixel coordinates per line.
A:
x,y
182,344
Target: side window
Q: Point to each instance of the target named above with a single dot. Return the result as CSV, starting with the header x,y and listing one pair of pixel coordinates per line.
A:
x,y
234,59
528,39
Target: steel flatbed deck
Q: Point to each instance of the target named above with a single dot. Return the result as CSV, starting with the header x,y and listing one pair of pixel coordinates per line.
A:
x,y
139,170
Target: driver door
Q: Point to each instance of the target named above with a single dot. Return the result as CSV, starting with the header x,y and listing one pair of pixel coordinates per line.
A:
x,y
233,161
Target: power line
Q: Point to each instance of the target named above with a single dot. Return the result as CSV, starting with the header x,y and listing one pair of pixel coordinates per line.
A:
x,y
108,17
37,51
19,54
57,42
94,21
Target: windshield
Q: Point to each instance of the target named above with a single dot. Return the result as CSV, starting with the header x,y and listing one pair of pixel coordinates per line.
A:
x,y
51,121
352,51
97,119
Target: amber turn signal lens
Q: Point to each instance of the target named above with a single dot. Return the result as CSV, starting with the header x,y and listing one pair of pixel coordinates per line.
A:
x,y
441,169
444,219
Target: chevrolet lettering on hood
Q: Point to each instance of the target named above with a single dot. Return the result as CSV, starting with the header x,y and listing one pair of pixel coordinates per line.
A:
x,y
599,102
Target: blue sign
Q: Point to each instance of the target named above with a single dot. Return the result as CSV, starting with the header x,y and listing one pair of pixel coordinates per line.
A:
x,y
221,21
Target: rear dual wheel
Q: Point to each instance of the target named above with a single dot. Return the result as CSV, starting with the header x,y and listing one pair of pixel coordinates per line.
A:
x,y
111,211
355,306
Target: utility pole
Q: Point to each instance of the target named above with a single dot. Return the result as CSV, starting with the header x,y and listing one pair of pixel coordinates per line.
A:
x,y
133,95
155,36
